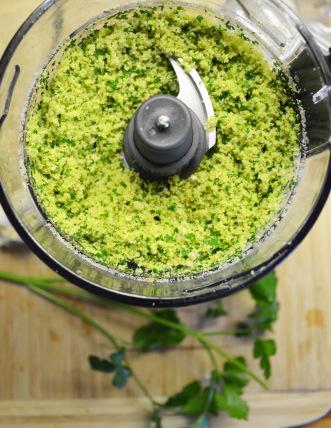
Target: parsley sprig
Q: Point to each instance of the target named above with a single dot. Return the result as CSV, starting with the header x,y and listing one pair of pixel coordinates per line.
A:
x,y
114,364
221,391
259,321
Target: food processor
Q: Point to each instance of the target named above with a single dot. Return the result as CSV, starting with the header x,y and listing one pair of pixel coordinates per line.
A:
x,y
281,36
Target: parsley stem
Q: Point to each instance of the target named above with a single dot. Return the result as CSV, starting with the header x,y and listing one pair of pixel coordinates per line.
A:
x,y
226,332
200,336
211,355
52,284
75,311
208,403
143,388
85,318
12,277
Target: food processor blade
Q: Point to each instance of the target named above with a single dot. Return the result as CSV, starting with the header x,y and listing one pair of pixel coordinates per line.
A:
x,y
194,94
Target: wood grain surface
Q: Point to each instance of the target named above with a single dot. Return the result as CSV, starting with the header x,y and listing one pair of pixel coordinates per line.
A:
x,y
45,380
272,410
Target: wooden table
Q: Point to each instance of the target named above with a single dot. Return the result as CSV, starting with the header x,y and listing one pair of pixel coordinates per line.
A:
x,y
46,380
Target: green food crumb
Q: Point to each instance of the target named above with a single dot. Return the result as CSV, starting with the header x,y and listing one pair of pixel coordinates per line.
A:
x,y
74,142
211,123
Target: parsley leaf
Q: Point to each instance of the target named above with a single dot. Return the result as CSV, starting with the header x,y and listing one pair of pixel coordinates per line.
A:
x,y
193,400
101,365
264,290
229,386
230,401
266,307
216,310
264,316
115,365
235,376
184,395
118,357
121,376
198,403
264,349
155,336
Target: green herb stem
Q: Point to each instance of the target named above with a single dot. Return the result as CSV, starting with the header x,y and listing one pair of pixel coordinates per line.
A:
x,y
50,283
201,337
211,356
143,387
12,277
79,314
226,332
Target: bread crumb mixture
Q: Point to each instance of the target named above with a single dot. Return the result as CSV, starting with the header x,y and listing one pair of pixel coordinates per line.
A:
x,y
75,132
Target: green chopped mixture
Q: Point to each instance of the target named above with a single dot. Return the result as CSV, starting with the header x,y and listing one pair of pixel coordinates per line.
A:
x,y
74,143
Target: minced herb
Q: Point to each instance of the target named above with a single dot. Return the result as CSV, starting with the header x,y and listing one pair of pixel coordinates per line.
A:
x,y
74,143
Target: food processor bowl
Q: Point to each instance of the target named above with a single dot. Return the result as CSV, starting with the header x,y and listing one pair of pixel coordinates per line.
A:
x,y
281,35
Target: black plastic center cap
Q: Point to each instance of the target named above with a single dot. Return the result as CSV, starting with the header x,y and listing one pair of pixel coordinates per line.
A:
x,y
164,138
163,129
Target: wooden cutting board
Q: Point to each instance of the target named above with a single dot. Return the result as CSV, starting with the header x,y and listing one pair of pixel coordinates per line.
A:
x,y
45,380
